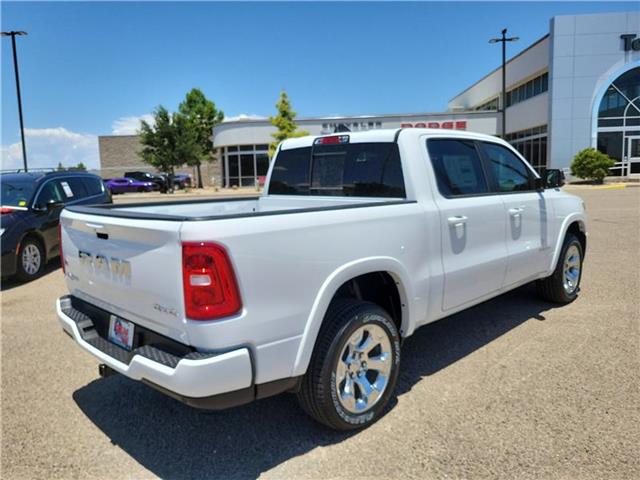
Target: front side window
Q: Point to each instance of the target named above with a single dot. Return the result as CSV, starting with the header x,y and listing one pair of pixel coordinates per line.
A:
x,y
510,173
457,167
51,193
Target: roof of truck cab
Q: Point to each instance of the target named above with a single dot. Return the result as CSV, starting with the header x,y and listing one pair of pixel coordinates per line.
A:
x,y
384,135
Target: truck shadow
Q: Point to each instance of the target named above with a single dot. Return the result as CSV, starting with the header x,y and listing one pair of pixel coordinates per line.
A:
x,y
175,441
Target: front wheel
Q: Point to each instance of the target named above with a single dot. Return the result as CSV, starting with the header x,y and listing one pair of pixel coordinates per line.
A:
x,y
354,366
564,284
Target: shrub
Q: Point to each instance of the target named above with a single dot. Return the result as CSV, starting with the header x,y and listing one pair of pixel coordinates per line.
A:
x,y
591,164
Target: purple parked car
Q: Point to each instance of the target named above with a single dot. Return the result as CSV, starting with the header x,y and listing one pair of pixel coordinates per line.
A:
x,y
124,185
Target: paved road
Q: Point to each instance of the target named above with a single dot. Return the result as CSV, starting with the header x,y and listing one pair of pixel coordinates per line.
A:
x,y
514,388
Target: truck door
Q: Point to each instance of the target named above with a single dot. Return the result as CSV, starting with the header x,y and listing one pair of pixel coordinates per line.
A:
x,y
473,227
525,210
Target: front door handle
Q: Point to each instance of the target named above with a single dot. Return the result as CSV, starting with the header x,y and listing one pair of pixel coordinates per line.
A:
x,y
457,221
515,212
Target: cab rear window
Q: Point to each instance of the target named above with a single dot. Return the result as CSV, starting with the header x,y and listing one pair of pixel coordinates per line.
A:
x,y
349,170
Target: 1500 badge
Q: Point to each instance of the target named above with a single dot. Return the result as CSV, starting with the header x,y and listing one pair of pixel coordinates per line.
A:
x,y
116,269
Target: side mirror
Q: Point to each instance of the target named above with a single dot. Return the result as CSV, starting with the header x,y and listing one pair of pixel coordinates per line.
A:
x,y
554,178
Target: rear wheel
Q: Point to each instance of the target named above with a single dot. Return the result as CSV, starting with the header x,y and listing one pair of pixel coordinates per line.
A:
x,y
354,366
30,260
564,284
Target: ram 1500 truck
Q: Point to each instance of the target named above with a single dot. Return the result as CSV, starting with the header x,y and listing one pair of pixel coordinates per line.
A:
x,y
357,240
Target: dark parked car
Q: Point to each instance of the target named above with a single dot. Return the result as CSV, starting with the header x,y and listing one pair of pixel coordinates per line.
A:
x,y
148,177
182,180
124,185
30,212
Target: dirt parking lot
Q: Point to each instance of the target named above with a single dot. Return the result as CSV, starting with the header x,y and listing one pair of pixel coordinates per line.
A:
x,y
514,388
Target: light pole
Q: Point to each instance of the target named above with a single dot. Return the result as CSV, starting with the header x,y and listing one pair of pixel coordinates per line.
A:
x,y
504,41
13,34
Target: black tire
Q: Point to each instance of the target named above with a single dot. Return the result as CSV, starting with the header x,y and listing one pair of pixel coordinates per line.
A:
x,y
23,272
318,395
552,288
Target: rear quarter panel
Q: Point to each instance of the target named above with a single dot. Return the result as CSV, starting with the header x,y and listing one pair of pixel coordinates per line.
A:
x,y
289,266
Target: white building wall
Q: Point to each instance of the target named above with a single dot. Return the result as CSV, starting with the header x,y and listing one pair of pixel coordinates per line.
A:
x,y
533,112
587,55
528,64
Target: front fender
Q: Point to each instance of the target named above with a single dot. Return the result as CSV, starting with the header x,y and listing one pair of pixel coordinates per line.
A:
x,y
331,285
574,217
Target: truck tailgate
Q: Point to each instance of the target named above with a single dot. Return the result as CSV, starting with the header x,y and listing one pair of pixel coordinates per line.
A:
x,y
131,268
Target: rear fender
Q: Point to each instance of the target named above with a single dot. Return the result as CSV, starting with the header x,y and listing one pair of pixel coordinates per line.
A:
x,y
330,287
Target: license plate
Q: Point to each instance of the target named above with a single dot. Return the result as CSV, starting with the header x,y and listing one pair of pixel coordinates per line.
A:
x,y
121,332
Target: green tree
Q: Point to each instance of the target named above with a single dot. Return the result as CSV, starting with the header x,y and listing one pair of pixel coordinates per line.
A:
x,y
60,167
285,122
201,116
591,164
169,143
81,166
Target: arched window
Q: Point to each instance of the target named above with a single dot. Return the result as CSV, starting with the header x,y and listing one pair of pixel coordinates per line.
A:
x,y
619,123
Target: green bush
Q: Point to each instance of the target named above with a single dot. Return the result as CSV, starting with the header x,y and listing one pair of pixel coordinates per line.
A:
x,y
591,164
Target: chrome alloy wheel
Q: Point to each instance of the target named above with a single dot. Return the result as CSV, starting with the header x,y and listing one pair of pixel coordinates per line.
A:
x,y
363,369
571,270
31,259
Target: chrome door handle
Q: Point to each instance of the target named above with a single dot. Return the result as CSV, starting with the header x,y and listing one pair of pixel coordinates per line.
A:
x,y
457,220
514,212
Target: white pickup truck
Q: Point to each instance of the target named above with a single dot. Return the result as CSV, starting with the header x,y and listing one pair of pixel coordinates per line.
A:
x,y
358,239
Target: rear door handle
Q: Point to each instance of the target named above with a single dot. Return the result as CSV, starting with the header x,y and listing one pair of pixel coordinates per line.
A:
x,y
457,220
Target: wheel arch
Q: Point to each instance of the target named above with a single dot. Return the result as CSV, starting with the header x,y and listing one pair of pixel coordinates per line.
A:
x,y
387,267
575,224
38,236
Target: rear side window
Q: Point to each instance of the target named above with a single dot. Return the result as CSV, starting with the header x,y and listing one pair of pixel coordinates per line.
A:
x,y
511,174
77,187
350,170
93,186
457,167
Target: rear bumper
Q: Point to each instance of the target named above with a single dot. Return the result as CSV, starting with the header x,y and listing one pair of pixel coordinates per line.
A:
x,y
205,380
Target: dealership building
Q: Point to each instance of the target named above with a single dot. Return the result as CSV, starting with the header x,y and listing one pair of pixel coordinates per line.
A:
x,y
576,87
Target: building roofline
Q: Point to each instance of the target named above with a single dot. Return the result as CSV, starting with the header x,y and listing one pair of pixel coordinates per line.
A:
x,y
500,67
349,117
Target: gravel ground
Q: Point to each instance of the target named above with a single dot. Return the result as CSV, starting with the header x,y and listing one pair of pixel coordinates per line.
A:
x,y
514,388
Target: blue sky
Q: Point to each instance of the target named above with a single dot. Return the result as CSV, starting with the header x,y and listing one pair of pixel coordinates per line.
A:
x,y
90,69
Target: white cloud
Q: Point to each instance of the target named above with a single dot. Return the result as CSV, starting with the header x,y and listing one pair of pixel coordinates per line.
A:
x,y
243,116
130,125
46,147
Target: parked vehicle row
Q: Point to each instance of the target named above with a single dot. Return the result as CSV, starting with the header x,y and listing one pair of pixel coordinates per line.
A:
x,y
29,216
369,235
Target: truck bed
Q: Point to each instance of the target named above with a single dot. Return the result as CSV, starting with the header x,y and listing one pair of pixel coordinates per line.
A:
x,y
225,208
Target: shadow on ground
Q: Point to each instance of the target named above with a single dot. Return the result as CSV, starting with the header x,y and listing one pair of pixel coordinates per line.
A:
x,y
175,441
9,283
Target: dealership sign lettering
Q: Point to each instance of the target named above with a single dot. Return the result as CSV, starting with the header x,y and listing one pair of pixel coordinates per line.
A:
x,y
459,125
631,42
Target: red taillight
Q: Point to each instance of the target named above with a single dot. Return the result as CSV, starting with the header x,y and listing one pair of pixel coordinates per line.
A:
x,y
60,246
4,210
210,287
333,140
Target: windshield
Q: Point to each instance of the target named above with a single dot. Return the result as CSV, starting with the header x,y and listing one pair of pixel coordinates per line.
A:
x,y
16,193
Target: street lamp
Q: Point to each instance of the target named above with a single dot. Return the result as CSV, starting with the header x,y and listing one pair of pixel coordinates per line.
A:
x,y
13,34
504,41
